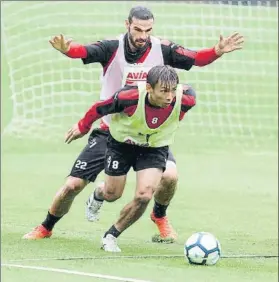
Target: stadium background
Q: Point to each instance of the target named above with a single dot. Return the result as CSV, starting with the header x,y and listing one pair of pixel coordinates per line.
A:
x,y
226,148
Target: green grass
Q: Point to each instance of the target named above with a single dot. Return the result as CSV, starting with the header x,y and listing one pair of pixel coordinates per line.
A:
x,y
232,196
226,149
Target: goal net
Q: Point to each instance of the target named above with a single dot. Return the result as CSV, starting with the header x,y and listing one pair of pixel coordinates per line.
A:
x,y
236,95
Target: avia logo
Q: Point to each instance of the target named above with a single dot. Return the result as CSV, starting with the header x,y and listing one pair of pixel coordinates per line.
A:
x,y
133,77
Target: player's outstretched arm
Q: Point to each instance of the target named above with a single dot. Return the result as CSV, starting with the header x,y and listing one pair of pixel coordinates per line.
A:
x,y
60,43
98,52
229,44
84,125
182,58
116,104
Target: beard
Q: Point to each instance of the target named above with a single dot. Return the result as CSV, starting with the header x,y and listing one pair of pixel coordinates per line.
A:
x,y
134,42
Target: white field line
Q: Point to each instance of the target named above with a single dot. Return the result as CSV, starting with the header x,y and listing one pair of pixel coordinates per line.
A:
x,y
98,258
109,277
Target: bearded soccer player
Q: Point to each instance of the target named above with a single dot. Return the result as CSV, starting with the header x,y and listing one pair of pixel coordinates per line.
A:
x,y
136,141
126,61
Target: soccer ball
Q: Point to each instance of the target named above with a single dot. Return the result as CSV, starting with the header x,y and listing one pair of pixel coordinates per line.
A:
x,y
202,248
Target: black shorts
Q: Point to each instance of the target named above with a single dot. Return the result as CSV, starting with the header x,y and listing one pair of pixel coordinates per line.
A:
x,y
120,157
91,161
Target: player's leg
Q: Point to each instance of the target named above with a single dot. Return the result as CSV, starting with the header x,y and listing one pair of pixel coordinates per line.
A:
x,y
167,187
119,159
114,167
162,197
147,181
93,203
99,143
149,164
116,164
112,186
88,165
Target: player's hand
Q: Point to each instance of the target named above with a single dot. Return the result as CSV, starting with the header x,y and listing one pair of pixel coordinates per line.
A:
x,y
73,134
60,43
229,44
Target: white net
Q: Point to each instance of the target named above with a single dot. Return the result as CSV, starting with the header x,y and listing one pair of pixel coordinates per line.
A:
x,y
237,94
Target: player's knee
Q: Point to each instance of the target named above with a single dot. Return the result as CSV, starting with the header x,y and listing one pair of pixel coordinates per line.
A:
x,y
143,197
74,185
170,176
111,196
112,191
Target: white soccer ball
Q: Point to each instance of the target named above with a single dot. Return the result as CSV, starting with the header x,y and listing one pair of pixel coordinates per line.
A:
x,y
202,248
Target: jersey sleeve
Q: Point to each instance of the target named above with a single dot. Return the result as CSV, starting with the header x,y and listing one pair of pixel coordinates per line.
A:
x,y
120,102
100,52
177,56
188,100
182,58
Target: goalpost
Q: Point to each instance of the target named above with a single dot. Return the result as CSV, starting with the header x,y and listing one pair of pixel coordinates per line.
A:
x,y
237,98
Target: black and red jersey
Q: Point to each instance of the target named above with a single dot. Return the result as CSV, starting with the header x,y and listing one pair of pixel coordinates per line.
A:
x,y
126,100
173,54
